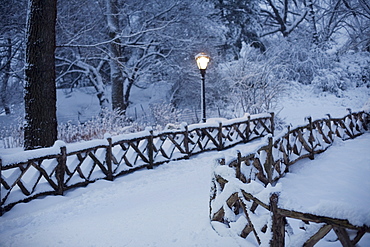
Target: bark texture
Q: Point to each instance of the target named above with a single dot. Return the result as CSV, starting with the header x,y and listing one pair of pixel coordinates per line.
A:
x,y
40,90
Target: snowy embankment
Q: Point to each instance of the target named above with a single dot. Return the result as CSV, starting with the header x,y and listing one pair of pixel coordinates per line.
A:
x,y
302,101
336,184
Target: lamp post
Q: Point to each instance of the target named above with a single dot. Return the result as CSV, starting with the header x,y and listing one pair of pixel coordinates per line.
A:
x,y
202,62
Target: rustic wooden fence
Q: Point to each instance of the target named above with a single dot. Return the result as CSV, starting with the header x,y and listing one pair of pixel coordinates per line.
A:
x,y
51,171
234,206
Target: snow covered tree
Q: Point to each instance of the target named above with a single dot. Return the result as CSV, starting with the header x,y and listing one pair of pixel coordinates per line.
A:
x,y
80,61
351,16
282,16
241,19
6,69
40,90
12,28
115,56
139,44
329,22
128,50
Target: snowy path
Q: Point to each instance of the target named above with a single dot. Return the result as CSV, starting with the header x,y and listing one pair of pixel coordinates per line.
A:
x,y
166,206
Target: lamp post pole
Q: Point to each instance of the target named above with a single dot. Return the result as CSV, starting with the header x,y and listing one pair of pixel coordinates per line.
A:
x,y
203,92
202,62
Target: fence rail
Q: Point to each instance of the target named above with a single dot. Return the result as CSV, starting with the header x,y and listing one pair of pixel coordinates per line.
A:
x,y
52,171
234,206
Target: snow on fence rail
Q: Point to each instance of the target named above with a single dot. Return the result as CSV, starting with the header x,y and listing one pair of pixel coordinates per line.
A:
x,y
51,171
237,181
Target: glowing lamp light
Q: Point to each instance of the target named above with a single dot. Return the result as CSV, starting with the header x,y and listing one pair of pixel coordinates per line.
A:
x,y
202,60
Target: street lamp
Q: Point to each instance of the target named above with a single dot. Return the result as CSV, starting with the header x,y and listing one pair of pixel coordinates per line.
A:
x,y
202,62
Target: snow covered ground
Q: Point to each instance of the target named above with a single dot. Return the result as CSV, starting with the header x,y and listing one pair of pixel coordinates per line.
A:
x,y
166,206
336,185
302,101
344,191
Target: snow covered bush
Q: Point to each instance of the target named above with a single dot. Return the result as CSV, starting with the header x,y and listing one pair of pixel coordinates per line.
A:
x,y
11,136
302,61
165,113
347,71
331,81
328,69
356,67
255,80
109,121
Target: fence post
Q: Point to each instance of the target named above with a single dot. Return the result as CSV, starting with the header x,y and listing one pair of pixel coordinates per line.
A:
x,y
247,134
311,138
328,122
108,159
351,126
349,111
150,150
269,160
238,166
60,170
288,148
186,140
219,137
272,119
278,224
366,120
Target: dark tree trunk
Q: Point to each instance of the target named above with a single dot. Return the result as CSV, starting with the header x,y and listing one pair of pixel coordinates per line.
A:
x,y
40,90
312,15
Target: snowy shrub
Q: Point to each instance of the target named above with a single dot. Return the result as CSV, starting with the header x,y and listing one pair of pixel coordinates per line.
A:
x,y
108,121
332,81
301,61
329,71
165,113
256,80
357,67
11,136
352,70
